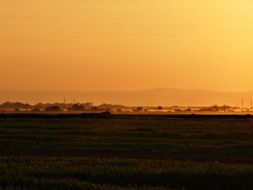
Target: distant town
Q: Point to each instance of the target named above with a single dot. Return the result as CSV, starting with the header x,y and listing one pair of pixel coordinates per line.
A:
x,y
18,107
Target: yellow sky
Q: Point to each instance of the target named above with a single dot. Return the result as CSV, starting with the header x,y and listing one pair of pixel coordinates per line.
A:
x,y
126,45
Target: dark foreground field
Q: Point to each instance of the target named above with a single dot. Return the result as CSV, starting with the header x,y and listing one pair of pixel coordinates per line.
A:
x,y
125,152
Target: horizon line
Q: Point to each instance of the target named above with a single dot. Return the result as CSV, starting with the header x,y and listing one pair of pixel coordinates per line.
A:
x,y
146,89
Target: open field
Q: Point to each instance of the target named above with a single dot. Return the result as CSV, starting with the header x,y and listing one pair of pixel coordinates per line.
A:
x,y
126,152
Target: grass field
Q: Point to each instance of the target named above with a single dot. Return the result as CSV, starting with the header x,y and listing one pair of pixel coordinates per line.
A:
x,y
126,152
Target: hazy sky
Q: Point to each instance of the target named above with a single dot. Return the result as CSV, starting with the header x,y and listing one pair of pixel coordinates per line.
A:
x,y
126,44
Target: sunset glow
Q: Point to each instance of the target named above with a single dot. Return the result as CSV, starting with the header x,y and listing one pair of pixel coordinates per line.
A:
x,y
126,45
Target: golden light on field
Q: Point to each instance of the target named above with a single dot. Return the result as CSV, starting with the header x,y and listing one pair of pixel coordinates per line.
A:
x,y
126,45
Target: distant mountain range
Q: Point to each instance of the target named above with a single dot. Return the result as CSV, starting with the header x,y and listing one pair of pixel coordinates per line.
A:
x,y
159,96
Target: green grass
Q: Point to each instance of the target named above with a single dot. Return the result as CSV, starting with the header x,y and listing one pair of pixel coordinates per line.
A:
x,y
144,137
90,173
126,152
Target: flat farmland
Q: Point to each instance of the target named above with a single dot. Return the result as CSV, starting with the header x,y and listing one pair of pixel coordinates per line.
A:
x,y
95,151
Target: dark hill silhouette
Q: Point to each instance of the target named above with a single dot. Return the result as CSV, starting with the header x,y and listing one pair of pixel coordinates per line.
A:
x,y
160,96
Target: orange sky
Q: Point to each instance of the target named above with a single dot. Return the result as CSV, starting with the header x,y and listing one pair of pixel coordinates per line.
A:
x,y
126,45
